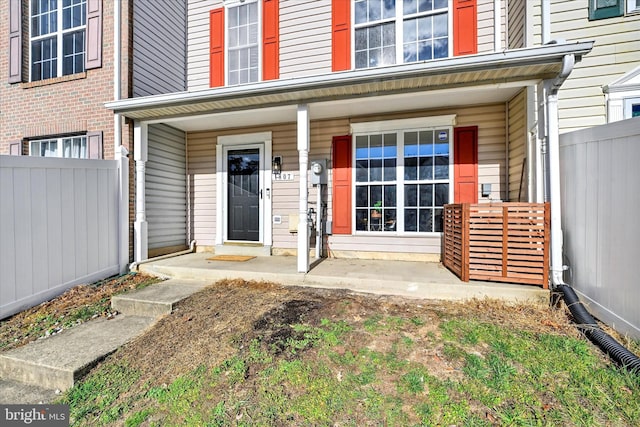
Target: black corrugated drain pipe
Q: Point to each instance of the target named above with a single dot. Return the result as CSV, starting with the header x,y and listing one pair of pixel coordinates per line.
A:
x,y
588,326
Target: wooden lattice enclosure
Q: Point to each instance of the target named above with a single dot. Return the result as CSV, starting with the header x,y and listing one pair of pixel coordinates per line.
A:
x,y
506,242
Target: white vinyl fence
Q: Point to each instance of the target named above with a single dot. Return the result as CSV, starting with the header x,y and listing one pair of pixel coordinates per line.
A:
x,y
59,227
600,220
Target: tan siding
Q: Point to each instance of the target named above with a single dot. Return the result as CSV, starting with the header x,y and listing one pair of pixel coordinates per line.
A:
x,y
198,42
305,38
201,152
581,100
517,147
485,25
517,20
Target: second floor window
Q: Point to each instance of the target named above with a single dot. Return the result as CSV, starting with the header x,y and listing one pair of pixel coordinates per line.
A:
x,y
243,43
57,37
391,32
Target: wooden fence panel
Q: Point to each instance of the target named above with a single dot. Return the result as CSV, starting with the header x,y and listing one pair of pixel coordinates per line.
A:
x,y
507,242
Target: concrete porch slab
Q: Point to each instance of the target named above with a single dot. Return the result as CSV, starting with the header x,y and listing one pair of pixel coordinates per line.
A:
x,y
425,280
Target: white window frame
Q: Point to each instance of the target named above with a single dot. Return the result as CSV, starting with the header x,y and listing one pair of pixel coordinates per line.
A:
x,y
59,36
60,141
230,4
400,127
628,105
399,32
633,6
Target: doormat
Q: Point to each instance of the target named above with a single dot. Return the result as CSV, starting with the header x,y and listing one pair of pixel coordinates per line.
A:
x,y
238,258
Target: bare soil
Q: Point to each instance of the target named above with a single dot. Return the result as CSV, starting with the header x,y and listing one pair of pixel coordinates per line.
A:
x,y
212,324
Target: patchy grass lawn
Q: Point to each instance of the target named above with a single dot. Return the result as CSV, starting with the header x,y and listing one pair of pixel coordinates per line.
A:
x,y
75,306
246,353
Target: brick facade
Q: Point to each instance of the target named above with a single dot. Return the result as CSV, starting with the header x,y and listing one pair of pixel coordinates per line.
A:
x,y
53,107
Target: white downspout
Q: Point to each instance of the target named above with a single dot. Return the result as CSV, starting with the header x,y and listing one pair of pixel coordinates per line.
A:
x,y
497,26
303,152
546,21
120,152
553,146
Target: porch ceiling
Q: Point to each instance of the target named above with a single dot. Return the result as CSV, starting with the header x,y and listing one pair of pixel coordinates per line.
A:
x,y
483,78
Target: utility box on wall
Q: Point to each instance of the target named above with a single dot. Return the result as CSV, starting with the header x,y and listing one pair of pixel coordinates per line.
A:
x,y
319,172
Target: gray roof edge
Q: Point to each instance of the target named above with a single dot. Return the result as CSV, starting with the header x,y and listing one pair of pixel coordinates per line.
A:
x,y
515,57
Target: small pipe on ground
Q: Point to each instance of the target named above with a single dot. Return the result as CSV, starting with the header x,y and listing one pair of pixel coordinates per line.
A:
x,y
134,265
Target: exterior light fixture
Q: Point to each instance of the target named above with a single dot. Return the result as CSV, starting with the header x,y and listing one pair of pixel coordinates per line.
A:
x,y
276,165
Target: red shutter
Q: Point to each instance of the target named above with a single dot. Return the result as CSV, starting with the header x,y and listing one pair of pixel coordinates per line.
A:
x,y
15,148
270,39
465,168
216,44
341,156
94,145
340,35
15,41
93,54
465,27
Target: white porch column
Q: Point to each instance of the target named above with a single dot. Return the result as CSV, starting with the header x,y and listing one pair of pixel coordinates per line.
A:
x,y
303,154
140,241
123,208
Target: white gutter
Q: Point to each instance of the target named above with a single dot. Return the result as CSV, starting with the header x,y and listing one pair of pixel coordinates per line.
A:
x,y
553,146
480,62
120,152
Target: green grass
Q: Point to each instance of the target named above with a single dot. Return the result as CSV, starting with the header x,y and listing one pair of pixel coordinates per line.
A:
x,y
498,375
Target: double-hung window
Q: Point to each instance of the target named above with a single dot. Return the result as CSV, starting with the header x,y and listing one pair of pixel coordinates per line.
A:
x,y
243,48
391,32
402,180
57,37
70,147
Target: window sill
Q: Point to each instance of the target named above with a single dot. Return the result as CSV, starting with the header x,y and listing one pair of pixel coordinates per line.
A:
x,y
55,80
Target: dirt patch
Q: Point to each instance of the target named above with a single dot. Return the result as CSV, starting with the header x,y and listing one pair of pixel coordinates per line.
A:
x,y
78,304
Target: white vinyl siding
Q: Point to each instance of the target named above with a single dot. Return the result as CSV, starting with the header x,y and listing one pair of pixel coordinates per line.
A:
x,y
159,33
166,187
305,38
518,187
581,100
198,42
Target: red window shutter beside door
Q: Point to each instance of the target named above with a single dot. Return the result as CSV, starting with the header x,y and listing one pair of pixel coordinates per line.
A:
x,y
341,167
93,57
271,39
465,164
465,27
340,35
216,46
15,41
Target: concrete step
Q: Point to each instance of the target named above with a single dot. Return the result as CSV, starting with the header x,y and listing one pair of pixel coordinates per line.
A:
x,y
57,362
158,299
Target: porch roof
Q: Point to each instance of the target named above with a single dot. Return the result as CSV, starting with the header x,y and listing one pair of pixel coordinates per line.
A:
x,y
511,68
